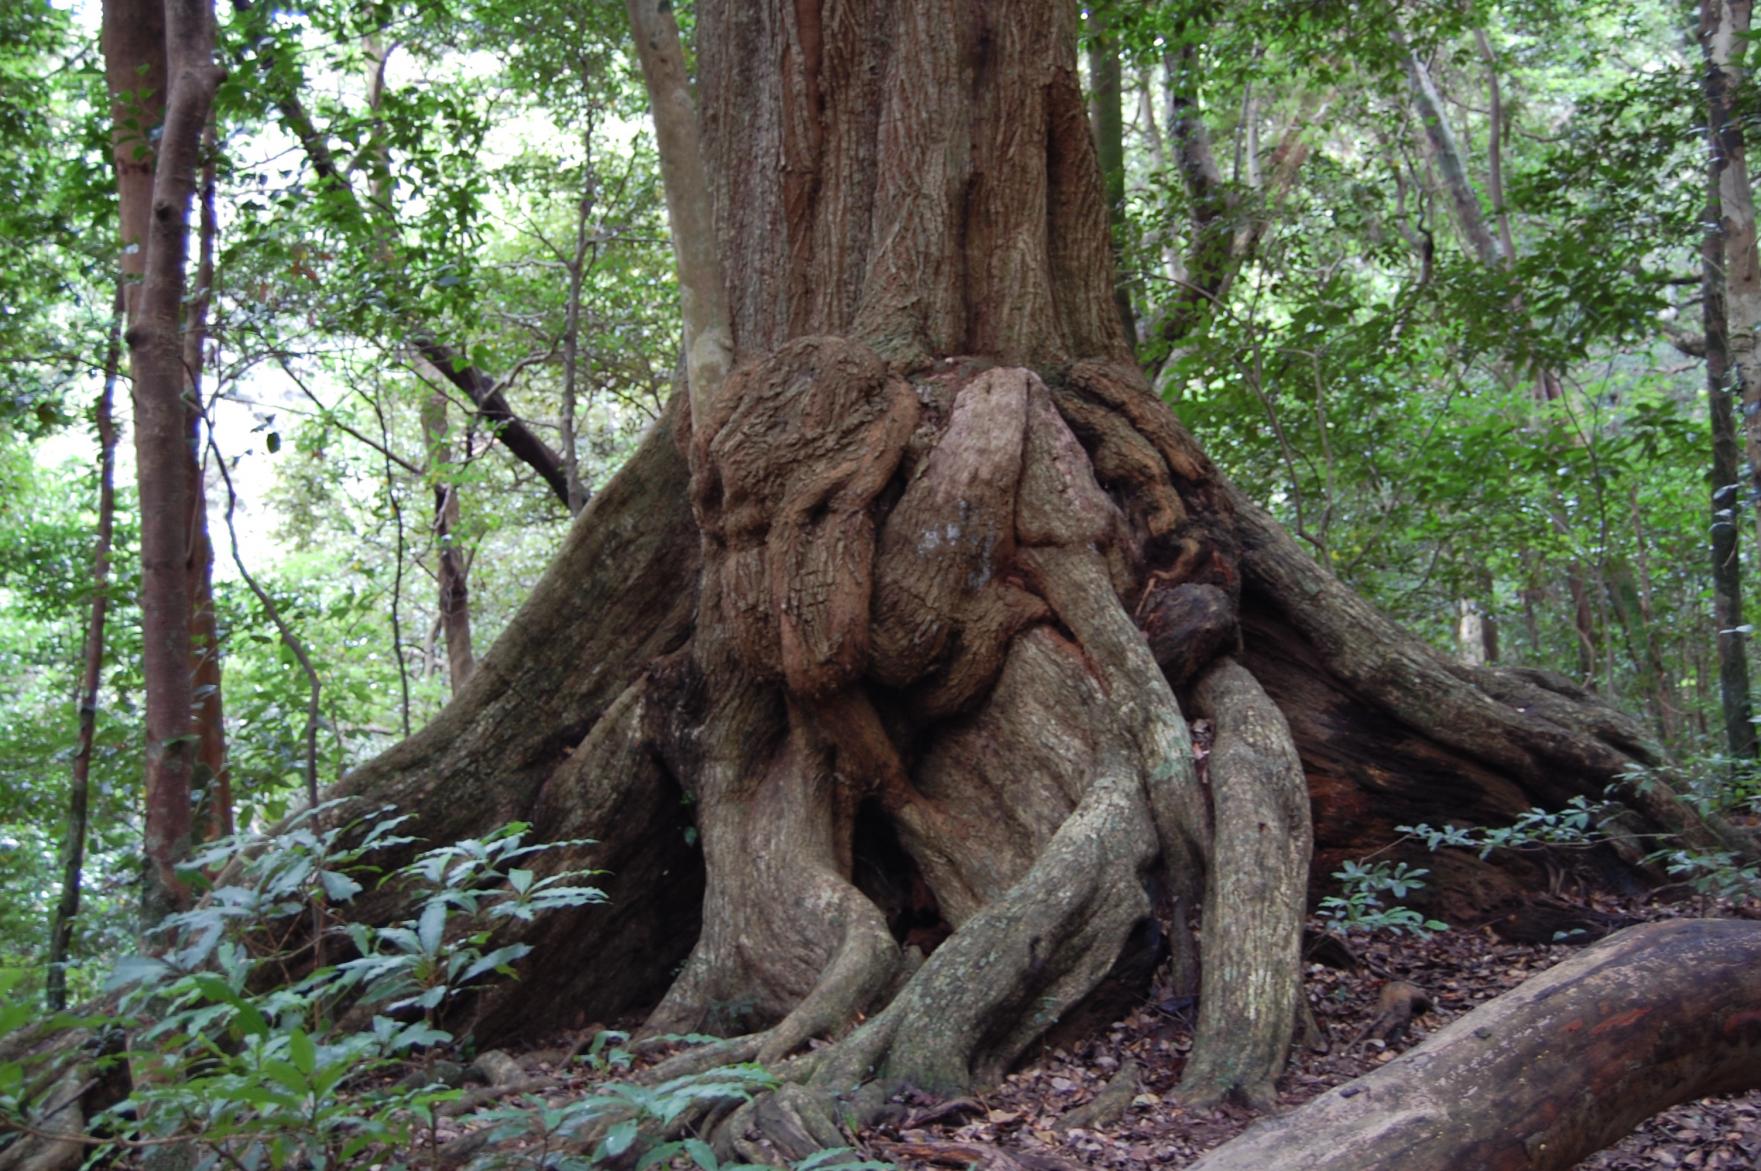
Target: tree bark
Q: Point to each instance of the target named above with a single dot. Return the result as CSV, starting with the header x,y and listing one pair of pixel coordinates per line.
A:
x,y
450,562
586,249
1546,1074
1107,102
1727,486
703,300
161,427
212,779
903,623
1724,34
73,844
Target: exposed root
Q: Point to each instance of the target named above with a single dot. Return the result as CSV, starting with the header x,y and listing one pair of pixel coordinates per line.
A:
x,y
1109,1104
1255,896
1010,971
784,1126
699,1058
57,1140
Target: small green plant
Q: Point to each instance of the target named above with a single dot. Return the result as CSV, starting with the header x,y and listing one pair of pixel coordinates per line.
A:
x,y
1716,785
1713,874
421,963
255,1079
1574,825
607,1051
1361,907
615,1116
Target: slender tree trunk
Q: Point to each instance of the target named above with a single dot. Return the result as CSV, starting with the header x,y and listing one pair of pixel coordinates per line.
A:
x,y
1650,680
1491,250
1208,270
452,569
73,843
1495,132
161,424
1728,496
212,780
578,264
1724,33
703,299
1107,110
1225,231
1173,265
397,575
1447,155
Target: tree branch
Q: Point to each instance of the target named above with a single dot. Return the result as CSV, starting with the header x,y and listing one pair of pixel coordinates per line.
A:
x,y
493,406
703,291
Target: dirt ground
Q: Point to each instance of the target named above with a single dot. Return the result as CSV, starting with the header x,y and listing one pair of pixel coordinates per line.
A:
x,y
1040,1118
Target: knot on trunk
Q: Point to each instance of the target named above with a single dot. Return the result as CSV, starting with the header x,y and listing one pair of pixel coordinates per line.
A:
x,y
785,471
823,575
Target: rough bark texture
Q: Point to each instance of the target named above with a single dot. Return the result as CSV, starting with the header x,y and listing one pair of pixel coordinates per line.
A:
x,y
901,621
1261,848
1727,488
1546,1074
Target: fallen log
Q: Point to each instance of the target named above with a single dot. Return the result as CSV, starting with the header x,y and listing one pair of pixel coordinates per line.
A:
x,y
1548,1073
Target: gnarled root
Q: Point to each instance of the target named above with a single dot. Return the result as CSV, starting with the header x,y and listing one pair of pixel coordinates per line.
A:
x,y
1037,820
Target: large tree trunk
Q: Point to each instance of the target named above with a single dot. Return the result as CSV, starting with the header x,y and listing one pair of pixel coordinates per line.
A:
x,y
905,621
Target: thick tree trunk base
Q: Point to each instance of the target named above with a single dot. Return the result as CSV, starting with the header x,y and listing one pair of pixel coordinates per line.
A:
x,y
905,769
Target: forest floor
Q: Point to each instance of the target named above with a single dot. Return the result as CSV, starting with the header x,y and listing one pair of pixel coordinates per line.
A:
x,y
1026,1124
1458,970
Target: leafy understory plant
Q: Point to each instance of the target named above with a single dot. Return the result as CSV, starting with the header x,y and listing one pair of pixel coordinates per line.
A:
x,y
612,1121
1361,907
269,1079
1574,825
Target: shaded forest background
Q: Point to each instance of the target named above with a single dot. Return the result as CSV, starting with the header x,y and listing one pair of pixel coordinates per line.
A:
x,y
1428,280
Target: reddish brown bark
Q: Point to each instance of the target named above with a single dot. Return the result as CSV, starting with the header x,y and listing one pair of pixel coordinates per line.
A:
x,y
174,41
214,806
451,573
